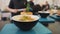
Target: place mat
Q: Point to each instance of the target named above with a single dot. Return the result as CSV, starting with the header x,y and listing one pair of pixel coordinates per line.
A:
x,y
12,29
55,17
46,20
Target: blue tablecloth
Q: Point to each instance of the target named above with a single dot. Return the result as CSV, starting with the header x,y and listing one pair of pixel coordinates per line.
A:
x,y
55,17
46,20
12,29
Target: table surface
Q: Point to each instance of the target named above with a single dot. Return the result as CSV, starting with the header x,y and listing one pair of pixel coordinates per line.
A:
x,y
46,20
12,29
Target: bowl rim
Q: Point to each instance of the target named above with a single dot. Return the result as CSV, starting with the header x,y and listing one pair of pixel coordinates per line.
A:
x,y
43,12
12,18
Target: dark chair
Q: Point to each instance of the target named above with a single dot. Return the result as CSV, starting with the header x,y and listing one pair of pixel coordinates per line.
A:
x,y
36,8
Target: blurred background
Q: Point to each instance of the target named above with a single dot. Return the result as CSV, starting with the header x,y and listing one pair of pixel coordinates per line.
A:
x,y
54,27
4,3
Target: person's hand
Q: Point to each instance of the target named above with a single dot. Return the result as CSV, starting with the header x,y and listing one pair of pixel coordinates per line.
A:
x,y
14,10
